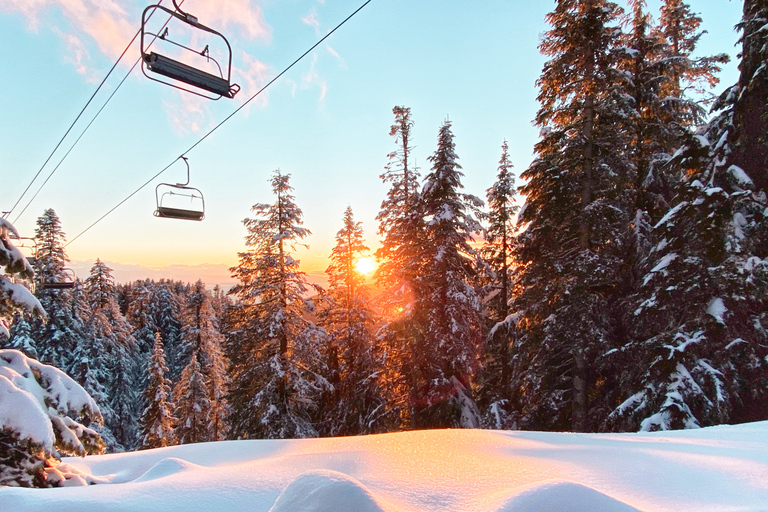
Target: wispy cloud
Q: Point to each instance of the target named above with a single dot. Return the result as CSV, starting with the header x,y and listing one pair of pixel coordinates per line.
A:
x,y
335,54
311,79
188,115
252,76
312,20
245,16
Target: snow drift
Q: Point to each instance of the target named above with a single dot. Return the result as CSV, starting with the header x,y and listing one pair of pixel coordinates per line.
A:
x,y
711,469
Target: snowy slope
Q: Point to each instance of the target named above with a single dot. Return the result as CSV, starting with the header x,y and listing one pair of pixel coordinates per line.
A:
x,y
713,469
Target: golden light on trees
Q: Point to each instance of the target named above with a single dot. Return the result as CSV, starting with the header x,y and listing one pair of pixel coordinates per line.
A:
x,y
365,266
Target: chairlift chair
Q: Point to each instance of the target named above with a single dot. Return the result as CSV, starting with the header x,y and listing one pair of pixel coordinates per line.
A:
x,y
180,72
169,207
66,283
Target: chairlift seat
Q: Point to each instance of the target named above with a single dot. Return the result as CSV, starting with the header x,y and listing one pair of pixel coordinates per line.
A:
x,y
178,213
176,70
64,285
67,283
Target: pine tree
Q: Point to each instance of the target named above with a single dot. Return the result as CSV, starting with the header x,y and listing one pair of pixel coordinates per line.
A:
x,y
157,421
399,218
25,458
109,357
357,403
100,285
201,334
497,254
167,301
700,321
20,336
274,349
401,226
575,214
58,337
16,270
192,405
448,355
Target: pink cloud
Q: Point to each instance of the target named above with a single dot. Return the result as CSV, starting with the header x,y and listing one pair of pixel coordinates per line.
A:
x,y
244,15
252,76
188,115
312,20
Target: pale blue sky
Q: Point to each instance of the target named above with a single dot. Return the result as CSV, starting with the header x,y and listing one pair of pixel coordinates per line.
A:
x,y
326,122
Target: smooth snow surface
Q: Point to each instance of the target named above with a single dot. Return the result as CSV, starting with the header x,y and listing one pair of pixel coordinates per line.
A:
x,y
712,469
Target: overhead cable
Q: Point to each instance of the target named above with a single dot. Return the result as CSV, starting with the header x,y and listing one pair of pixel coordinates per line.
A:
x,y
222,122
72,126
89,124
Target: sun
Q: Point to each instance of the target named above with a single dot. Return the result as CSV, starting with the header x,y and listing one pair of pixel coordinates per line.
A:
x,y
365,266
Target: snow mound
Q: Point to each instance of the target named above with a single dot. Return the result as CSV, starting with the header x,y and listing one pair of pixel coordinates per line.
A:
x,y
325,491
563,496
165,468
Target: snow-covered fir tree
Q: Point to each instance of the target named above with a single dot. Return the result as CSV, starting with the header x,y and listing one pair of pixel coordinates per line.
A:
x,y
401,227
201,336
157,422
15,297
447,357
700,320
50,413
21,336
399,218
575,216
167,303
357,404
192,405
111,352
274,349
61,333
497,254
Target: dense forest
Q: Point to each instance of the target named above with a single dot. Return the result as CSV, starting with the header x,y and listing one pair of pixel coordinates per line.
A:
x,y
628,292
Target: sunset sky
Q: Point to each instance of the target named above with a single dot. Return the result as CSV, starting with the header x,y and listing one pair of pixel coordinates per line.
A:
x,y
326,122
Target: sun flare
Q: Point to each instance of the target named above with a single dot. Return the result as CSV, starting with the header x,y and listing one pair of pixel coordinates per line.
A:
x,y
365,266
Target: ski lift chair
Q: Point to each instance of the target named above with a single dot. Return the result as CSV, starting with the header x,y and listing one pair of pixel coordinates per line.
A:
x,y
66,283
170,202
180,72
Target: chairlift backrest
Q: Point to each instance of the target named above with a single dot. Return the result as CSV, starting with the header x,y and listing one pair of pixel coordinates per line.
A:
x,y
177,71
66,283
168,207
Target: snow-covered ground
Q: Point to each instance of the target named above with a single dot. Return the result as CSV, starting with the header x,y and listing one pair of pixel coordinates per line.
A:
x,y
713,469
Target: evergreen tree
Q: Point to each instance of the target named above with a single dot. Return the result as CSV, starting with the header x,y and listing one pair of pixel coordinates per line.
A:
x,y
274,349
192,405
700,320
16,270
100,285
58,337
575,214
109,357
20,336
497,254
167,301
401,226
357,403
201,334
399,218
157,421
448,355
26,459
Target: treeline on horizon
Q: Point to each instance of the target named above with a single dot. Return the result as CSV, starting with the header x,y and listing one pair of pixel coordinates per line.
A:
x,y
629,293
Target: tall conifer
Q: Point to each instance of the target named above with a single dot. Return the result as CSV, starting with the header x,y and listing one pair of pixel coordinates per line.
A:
x,y
355,360
274,349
